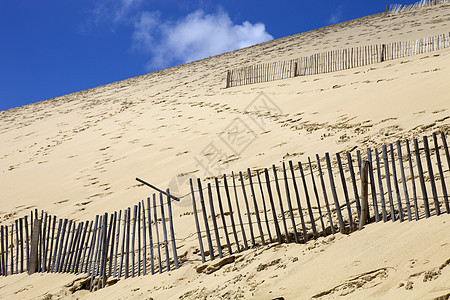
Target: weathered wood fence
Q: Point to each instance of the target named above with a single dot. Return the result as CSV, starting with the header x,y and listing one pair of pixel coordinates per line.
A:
x,y
102,248
404,181
299,202
399,8
335,60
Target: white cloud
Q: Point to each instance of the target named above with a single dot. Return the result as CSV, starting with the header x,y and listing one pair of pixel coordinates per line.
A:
x,y
196,36
336,16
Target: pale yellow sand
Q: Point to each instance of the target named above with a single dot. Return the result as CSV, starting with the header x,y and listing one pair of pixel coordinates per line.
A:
x,y
78,155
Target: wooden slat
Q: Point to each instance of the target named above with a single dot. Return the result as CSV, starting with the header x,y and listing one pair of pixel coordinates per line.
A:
x,y
166,244
83,245
172,231
16,222
69,243
197,226
431,175
317,195
380,186
421,179
441,172
21,245
127,241
388,182
213,217
402,171
150,235
117,242
272,205
364,194
344,186
238,210
138,222
133,240
113,243
288,198
27,240
444,142
222,216
255,206
324,191
122,252
333,190
283,218
205,219
61,246
397,190
144,241
308,202
416,208
355,188
158,245
264,206
55,252
230,210
250,225
3,248
33,265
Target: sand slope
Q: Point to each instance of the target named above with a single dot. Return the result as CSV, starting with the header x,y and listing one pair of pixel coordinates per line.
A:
x,y
76,155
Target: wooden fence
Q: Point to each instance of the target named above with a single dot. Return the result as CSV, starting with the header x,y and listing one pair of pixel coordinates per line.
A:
x,y
290,203
335,60
100,248
299,202
399,8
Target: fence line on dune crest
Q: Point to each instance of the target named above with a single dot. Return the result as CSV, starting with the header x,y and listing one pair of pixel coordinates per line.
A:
x,y
399,8
100,249
335,60
275,206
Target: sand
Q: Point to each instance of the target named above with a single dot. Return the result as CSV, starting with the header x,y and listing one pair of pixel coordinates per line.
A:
x,y
77,155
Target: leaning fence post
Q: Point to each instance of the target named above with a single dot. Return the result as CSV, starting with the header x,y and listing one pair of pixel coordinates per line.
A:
x,y
163,218
364,194
155,215
283,218
422,180
431,175
397,190
441,173
199,234
248,209
238,210
344,186
333,190
264,206
288,198
255,205
172,232
205,218
144,241
222,216
213,217
4,271
272,205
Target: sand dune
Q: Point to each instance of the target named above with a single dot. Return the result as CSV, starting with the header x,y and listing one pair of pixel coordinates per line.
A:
x,y
78,155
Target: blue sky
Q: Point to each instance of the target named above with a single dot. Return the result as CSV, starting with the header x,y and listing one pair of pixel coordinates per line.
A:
x,y
50,48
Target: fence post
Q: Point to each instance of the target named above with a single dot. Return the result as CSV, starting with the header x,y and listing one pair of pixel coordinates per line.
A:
x,y
364,194
199,234
33,265
172,232
333,190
